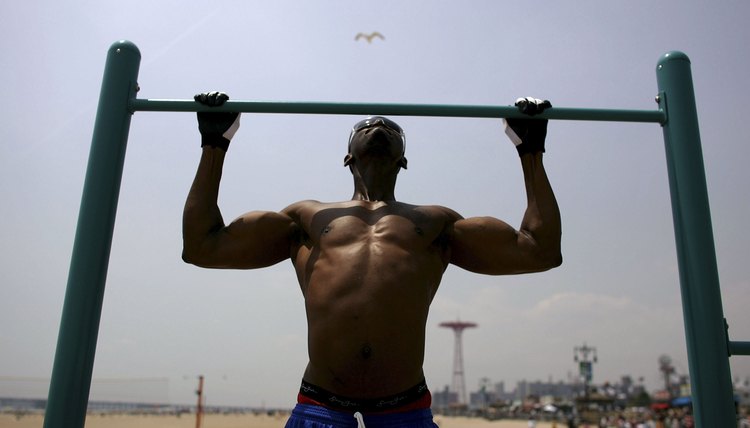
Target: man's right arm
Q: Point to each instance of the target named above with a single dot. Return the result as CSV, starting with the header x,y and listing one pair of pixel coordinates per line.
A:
x,y
256,239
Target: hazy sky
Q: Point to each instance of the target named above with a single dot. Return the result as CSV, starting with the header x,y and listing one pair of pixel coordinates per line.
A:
x,y
617,290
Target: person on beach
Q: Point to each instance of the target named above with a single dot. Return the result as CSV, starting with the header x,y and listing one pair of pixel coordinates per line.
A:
x,y
369,267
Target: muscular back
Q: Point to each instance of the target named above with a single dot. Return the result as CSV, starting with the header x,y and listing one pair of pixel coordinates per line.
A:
x,y
368,272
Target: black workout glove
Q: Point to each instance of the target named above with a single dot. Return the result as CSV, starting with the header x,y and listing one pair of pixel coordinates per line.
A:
x,y
528,135
217,129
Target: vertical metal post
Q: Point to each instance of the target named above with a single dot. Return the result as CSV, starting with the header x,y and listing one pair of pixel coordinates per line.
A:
x,y
76,342
710,379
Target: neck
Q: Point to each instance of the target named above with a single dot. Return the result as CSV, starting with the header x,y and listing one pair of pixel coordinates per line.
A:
x,y
373,187
366,195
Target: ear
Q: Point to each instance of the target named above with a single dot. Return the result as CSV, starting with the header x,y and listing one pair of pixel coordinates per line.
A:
x,y
348,159
402,162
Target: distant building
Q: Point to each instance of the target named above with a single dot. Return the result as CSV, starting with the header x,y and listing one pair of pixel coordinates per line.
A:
x,y
559,390
743,396
444,399
482,399
23,404
501,394
551,391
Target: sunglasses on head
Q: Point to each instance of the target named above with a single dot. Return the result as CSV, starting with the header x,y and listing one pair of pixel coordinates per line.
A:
x,y
377,120
371,121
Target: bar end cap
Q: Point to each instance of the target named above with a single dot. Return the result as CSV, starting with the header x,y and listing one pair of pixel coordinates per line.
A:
x,y
672,56
124,46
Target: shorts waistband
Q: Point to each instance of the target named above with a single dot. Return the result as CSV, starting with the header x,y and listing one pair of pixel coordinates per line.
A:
x,y
414,398
312,413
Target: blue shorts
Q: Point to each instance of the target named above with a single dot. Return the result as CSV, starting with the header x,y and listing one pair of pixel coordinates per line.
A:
x,y
309,416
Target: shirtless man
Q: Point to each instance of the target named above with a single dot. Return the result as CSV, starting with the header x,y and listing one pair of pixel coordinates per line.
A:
x,y
369,267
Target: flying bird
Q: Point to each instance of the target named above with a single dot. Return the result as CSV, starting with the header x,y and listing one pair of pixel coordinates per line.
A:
x,y
369,37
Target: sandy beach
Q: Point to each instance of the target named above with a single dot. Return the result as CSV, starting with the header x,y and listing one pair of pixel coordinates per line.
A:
x,y
231,421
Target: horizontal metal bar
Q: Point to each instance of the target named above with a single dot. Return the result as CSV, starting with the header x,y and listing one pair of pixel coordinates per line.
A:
x,y
561,113
739,348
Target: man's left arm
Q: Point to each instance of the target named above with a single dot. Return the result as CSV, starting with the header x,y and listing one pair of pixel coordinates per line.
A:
x,y
490,246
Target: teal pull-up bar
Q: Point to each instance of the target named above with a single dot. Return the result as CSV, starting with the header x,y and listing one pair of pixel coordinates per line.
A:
x,y
288,107
707,342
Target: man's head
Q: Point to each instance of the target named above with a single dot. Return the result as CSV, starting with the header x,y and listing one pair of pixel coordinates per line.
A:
x,y
377,136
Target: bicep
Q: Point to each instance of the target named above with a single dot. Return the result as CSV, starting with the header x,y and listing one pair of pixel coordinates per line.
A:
x,y
490,246
253,240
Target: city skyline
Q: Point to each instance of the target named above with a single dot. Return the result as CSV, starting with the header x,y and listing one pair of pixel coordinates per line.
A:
x,y
157,389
